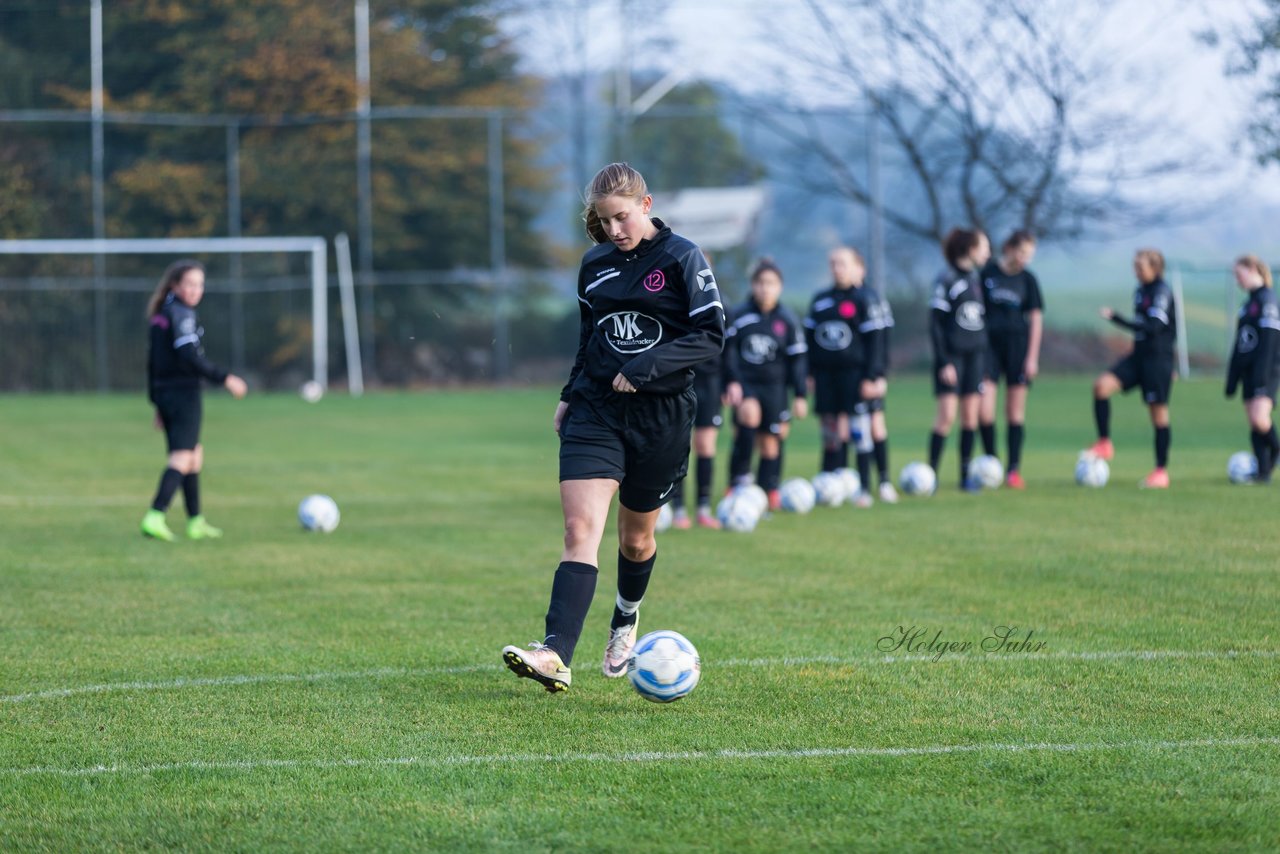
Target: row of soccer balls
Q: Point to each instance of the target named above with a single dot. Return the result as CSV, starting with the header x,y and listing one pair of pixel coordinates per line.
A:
x,y
745,506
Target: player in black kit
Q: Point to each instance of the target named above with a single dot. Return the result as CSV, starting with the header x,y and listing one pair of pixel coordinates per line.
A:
x,y
1255,361
708,388
176,368
957,328
843,327
1150,365
1015,320
880,392
765,376
650,310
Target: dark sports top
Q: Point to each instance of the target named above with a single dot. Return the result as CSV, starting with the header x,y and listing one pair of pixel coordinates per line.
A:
x,y
1009,298
957,323
650,314
175,358
1255,360
1154,325
843,329
765,348
880,365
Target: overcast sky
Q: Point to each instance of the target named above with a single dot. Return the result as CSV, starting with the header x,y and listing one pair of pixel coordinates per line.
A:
x,y
1173,75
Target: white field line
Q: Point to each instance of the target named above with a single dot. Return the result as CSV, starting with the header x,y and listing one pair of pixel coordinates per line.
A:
x,y
408,672
653,757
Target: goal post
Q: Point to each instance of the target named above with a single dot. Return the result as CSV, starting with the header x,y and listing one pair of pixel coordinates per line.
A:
x,y
315,248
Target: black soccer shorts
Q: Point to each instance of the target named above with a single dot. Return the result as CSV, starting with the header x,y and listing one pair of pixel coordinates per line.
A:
x,y
180,411
1154,375
640,440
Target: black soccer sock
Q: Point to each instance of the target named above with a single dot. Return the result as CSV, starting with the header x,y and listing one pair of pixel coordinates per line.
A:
x,y
937,442
842,456
967,438
169,483
744,442
864,469
1162,447
988,432
830,459
706,467
1261,452
191,493
769,473
1016,434
633,581
881,451
1102,417
571,592
1274,441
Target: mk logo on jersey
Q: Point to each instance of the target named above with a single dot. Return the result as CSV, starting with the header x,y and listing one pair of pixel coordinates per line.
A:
x,y
631,332
833,335
1247,340
759,349
969,316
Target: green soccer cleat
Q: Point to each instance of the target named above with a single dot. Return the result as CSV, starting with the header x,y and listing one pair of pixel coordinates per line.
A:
x,y
199,529
154,526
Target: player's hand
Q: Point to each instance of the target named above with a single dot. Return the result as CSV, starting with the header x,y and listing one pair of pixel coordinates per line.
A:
x,y
871,389
561,408
238,387
1106,313
947,374
800,407
733,394
623,385
1031,369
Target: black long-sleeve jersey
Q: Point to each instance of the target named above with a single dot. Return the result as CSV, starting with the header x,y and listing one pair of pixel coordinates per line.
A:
x,y
1008,299
766,348
650,314
175,358
1154,325
957,321
843,328
1255,361
880,365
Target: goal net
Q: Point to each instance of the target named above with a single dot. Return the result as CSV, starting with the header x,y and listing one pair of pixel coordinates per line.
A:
x,y
71,311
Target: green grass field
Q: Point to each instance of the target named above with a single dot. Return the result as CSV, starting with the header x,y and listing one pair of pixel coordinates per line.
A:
x,y
282,691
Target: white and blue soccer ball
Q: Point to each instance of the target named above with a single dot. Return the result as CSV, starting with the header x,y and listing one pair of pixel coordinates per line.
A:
x,y
987,471
318,513
1092,470
738,512
311,391
665,517
851,482
754,496
664,666
797,495
1242,467
828,488
917,478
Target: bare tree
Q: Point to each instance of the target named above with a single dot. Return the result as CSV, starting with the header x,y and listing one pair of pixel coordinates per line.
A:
x,y
995,113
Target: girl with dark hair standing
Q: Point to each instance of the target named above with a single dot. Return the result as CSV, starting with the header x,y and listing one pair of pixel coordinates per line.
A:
x,y
957,328
1255,361
650,311
176,369
765,379
1015,321
1149,365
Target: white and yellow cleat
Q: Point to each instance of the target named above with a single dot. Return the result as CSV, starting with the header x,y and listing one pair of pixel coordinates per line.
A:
x,y
616,652
540,663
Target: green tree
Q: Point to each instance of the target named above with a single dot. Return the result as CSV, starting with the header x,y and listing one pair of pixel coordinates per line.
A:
x,y
684,143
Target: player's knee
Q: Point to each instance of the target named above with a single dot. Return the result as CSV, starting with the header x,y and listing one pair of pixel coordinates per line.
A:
x,y
182,461
637,546
1103,387
578,531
